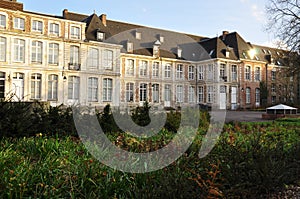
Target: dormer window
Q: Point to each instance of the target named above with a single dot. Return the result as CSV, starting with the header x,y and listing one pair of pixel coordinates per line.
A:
x,y
19,23
100,35
227,53
179,52
138,35
129,47
161,38
75,32
156,46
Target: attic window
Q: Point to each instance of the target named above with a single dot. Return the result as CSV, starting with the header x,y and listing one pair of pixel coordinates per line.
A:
x,y
278,53
264,51
138,35
227,53
256,57
269,52
245,55
161,38
179,52
100,36
129,47
211,52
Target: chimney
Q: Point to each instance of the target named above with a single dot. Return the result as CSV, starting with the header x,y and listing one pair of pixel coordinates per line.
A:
x,y
103,19
65,13
225,32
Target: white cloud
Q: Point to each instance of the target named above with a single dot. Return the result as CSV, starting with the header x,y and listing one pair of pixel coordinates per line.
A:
x,y
258,13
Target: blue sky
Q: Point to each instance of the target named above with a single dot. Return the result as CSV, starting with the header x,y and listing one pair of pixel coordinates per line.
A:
x,y
204,18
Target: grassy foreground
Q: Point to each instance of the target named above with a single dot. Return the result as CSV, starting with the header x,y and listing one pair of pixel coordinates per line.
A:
x,y
249,160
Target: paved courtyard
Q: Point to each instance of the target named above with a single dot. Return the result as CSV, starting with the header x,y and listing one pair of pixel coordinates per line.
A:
x,y
242,116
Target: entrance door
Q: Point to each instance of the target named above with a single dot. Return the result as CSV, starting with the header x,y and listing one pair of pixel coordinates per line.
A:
x,y
18,86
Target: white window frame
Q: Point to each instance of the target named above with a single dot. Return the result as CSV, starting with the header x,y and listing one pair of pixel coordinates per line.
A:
x,y
53,53
167,92
54,28
93,58
179,71
191,95
247,73
3,49
3,19
143,92
107,89
93,89
222,71
37,26
210,72
2,85
129,92
108,56
191,72
19,23
74,55
36,52
179,93
36,86
155,93
200,94
130,67
257,74
167,70
201,72
19,50
52,87
210,94
233,72
248,95
75,32
143,68
257,96
155,69
73,87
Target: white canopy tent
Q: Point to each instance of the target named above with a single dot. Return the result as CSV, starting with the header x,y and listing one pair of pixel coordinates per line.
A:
x,y
281,109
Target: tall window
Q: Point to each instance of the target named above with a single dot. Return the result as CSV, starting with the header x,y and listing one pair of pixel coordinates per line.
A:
x,y
179,93
36,52
201,94
191,72
130,67
247,72
167,92
107,89
210,94
179,71
2,85
144,68
19,23
108,59
234,72
75,32
155,93
37,26
52,87
92,89
273,88
257,73
129,92
273,75
222,71
54,28
201,73
2,49
74,55
210,72
191,94
93,58
36,84
53,53
155,69
167,70
73,87
257,96
248,95
2,21
143,92
19,50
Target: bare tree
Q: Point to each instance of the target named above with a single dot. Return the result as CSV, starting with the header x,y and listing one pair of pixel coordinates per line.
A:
x,y
284,21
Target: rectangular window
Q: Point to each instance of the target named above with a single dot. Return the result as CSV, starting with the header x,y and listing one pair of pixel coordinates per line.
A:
x,y
210,94
52,87
19,50
19,23
93,58
53,53
73,87
144,68
273,88
247,72
75,32
201,94
93,89
179,71
257,96
201,73
222,72
210,72
2,85
54,28
168,71
167,93
234,73
2,21
248,95
273,99
191,94
129,92
36,52
257,73
143,92
155,93
191,72
130,67
179,93
2,49
74,55
107,89
273,75
108,59
37,26
36,83
155,69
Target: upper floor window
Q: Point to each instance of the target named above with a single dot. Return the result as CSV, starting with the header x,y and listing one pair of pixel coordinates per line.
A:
x,y
19,50
130,67
37,26
179,71
93,58
210,72
191,72
201,72
234,72
36,51
257,73
53,53
54,28
273,75
74,55
247,72
167,70
2,49
19,23
144,68
2,21
155,69
108,59
210,94
75,32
